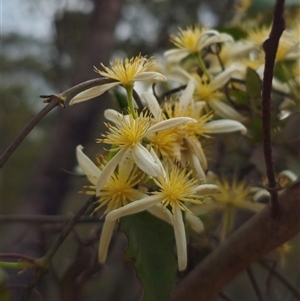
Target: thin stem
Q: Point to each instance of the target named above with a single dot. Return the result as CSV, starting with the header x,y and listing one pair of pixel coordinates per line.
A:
x,y
27,129
44,219
202,66
282,278
172,91
13,265
129,91
255,285
18,256
44,262
270,47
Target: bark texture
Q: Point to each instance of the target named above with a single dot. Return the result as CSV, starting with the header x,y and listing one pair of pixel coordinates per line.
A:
x,y
256,238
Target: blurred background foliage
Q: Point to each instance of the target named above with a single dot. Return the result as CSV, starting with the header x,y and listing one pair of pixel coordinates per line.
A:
x,y
32,66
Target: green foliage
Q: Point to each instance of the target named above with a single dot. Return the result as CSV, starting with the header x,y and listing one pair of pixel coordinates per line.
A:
x,y
253,83
151,249
4,291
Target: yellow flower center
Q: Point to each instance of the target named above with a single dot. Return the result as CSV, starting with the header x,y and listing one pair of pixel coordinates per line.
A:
x,y
119,191
188,129
232,193
188,38
128,132
126,71
166,143
204,91
258,35
177,187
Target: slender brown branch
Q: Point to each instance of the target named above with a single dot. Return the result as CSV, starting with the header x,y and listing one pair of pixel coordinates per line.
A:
x,y
270,47
170,92
27,129
281,277
251,242
44,219
18,256
255,285
44,262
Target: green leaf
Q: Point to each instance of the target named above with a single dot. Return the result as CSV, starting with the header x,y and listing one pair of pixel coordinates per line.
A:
x,y
151,250
4,290
236,32
253,84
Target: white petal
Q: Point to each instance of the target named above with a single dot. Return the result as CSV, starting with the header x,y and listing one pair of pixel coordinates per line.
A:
x,y
176,55
225,111
113,115
194,222
261,193
159,211
88,166
92,93
157,161
195,147
223,126
220,38
206,189
169,123
180,238
180,75
205,208
109,169
106,234
288,174
195,162
187,95
150,75
144,160
153,105
134,207
222,78
252,206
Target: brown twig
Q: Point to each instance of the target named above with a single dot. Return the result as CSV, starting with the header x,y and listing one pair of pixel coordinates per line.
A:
x,y
44,219
255,285
137,99
249,243
44,262
28,128
18,256
172,91
270,47
281,277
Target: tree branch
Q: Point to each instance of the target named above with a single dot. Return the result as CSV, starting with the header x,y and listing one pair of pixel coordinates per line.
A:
x,y
270,47
53,102
256,238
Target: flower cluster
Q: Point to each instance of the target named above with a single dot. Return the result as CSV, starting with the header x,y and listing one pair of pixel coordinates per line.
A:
x,y
158,155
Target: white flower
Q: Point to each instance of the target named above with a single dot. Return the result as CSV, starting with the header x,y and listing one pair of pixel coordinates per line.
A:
x,y
192,40
176,187
126,137
118,191
125,73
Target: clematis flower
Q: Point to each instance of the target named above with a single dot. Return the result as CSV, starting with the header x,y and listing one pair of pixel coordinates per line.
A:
x,y
232,195
127,136
184,144
192,40
119,190
125,73
175,188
